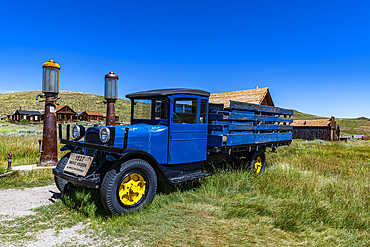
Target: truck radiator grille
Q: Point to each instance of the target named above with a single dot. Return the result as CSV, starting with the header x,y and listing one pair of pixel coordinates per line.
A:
x,y
92,137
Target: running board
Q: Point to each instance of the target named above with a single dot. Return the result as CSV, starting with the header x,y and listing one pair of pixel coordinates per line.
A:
x,y
189,176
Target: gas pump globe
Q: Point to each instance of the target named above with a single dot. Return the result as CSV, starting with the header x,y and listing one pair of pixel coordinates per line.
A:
x,y
50,77
111,95
111,86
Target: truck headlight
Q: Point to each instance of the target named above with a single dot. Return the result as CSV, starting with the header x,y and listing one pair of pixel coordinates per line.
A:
x,y
78,131
104,134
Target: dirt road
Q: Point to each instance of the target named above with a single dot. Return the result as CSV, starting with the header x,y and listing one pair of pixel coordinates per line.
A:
x,y
18,202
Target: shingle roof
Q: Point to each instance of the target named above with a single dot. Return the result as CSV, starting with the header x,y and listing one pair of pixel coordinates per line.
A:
x,y
259,96
23,112
59,107
94,113
312,122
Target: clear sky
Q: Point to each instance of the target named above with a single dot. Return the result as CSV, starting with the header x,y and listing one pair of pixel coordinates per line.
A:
x,y
313,55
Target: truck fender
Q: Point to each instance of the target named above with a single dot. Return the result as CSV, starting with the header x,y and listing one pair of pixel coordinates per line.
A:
x,y
134,153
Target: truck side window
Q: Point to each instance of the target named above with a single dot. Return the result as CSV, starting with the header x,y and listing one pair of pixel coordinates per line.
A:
x,y
203,111
150,109
142,109
185,111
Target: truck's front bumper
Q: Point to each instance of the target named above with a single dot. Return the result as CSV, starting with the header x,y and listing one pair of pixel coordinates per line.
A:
x,y
91,182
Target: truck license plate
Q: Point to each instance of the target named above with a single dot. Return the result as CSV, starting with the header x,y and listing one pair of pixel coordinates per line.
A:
x,y
78,164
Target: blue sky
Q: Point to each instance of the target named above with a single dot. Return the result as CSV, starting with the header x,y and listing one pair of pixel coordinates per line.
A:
x,y
313,55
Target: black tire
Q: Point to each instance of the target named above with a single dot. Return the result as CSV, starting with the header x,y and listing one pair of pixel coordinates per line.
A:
x,y
61,183
63,186
258,162
114,189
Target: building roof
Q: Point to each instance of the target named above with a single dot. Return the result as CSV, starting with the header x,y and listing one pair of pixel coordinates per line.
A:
x,y
60,107
167,92
260,96
23,112
325,122
93,113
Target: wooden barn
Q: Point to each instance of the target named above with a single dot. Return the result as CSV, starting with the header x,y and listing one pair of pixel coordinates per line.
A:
x,y
260,96
91,116
31,116
310,129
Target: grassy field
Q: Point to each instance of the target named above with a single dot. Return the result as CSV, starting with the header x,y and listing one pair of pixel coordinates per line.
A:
x,y
312,194
10,102
355,126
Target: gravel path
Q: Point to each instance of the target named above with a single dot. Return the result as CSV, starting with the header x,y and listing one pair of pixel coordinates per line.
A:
x,y
18,202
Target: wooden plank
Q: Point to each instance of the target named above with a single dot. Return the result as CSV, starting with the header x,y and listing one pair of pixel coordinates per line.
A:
x,y
238,126
267,126
241,116
240,139
218,127
285,127
216,107
259,108
213,116
267,118
284,136
266,137
285,120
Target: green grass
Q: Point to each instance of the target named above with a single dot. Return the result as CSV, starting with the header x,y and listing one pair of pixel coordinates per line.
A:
x,y
29,179
312,194
356,126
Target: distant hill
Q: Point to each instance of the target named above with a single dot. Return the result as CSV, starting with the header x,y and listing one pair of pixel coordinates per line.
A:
x,y
10,102
354,126
301,115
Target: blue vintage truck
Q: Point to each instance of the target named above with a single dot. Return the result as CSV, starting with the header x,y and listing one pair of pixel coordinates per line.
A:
x,y
173,134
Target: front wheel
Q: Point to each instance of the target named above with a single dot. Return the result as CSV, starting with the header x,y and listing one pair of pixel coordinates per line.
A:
x,y
61,183
128,187
258,163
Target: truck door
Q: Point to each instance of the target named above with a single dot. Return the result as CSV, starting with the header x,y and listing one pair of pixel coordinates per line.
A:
x,y
188,129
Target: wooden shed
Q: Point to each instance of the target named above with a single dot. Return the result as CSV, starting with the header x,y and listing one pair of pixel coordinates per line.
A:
x,y
310,129
31,116
92,116
260,96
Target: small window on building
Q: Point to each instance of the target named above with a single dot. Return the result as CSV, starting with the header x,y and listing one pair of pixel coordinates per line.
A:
x,y
36,118
24,116
185,111
203,111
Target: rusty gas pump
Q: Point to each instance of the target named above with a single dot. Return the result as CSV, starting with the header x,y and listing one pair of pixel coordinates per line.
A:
x,y
111,95
50,90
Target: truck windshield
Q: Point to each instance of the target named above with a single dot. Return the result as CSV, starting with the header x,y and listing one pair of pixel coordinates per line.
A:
x,y
151,109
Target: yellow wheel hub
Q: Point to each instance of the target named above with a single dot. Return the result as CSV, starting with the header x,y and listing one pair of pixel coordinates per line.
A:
x,y
132,189
258,165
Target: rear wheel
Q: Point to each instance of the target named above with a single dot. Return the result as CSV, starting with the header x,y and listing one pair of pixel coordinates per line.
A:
x,y
258,163
128,186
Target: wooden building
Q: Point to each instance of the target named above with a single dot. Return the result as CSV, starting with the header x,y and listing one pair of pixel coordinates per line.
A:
x,y
310,129
66,114
260,96
91,116
7,118
31,116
